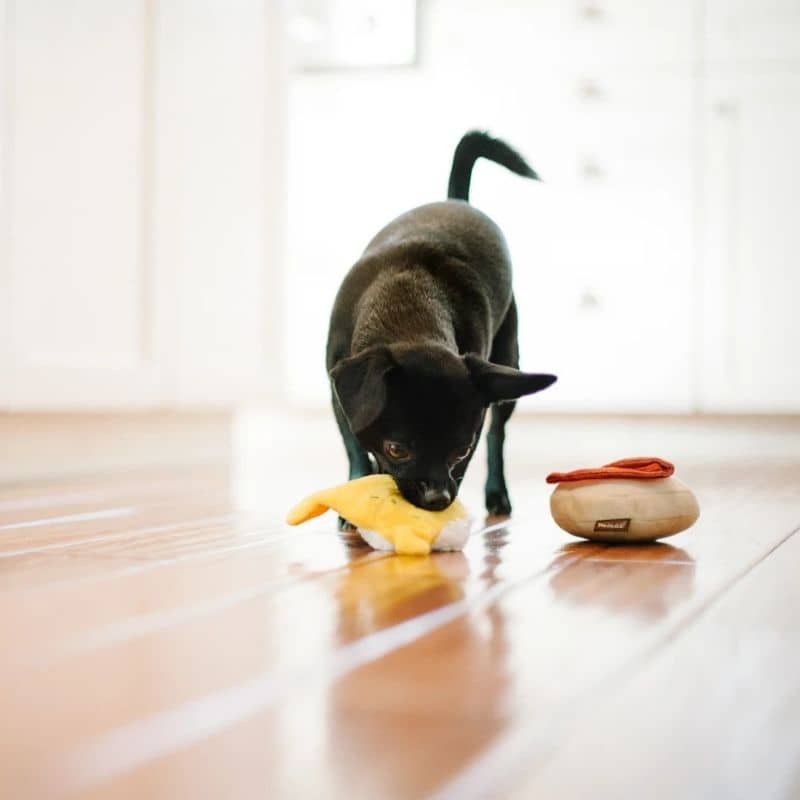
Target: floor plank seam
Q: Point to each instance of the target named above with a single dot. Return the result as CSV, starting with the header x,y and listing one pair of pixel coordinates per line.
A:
x,y
141,565
109,537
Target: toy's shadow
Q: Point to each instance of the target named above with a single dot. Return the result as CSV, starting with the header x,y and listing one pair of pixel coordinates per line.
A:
x,y
643,581
377,709
379,589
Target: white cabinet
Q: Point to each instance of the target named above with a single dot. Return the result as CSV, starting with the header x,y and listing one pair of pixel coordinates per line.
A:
x,y
609,303
139,186
750,241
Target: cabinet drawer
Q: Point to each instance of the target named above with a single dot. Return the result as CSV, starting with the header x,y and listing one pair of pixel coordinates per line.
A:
x,y
741,31
629,32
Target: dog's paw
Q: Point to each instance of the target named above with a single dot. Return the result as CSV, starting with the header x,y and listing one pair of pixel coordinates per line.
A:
x,y
344,525
498,503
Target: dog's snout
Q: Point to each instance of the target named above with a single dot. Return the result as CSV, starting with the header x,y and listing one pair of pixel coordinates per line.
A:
x,y
434,498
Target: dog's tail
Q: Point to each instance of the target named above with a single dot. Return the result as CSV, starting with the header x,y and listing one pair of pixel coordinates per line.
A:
x,y
475,145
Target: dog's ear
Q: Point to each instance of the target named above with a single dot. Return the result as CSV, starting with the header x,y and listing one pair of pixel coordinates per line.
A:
x,y
498,383
359,383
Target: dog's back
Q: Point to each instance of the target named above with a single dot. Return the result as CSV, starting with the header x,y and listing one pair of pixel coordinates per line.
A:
x,y
459,243
441,257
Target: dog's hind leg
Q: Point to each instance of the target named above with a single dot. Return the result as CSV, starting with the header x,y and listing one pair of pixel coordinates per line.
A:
x,y
505,351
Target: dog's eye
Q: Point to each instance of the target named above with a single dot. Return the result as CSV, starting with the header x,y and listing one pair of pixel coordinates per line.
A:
x,y
396,451
460,455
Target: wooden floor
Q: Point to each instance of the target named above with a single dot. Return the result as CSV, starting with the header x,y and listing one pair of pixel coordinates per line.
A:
x,y
165,636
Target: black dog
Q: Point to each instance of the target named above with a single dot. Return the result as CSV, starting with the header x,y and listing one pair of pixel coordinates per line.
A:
x,y
423,339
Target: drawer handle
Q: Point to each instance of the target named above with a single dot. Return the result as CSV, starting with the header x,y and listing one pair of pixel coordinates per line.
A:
x,y
591,12
589,90
725,108
589,301
592,171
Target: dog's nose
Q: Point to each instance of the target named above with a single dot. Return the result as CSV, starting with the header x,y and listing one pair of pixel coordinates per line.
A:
x,y
434,499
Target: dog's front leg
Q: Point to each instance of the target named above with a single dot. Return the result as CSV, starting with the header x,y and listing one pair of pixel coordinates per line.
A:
x,y
497,500
358,460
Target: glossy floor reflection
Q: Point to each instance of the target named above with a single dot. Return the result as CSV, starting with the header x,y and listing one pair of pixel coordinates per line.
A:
x,y
164,639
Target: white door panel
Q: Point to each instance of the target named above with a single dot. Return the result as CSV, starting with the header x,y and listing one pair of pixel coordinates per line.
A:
x,y
750,244
751,32
213,116
141,192
77,279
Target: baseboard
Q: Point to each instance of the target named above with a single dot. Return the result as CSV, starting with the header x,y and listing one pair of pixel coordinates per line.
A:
x,y
44,446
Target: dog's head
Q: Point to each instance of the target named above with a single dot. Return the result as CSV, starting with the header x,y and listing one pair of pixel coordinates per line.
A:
x,y
419,411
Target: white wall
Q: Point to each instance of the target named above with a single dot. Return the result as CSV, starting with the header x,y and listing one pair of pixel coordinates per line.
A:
x,y
623,288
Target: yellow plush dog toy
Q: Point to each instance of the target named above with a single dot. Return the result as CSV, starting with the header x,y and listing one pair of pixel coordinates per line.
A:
x,y
385,519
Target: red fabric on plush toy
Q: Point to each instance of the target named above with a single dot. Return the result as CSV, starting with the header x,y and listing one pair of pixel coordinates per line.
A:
x,y
642,468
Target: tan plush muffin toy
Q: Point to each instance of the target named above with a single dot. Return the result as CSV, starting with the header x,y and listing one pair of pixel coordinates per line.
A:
x,y
632,500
